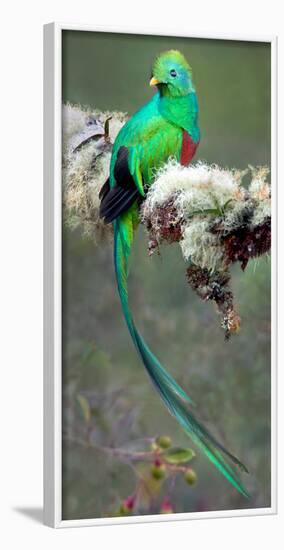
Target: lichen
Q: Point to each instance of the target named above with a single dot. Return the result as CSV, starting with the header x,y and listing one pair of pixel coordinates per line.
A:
x,y
202,196
86,160
199,187
216,220
206,209
200,246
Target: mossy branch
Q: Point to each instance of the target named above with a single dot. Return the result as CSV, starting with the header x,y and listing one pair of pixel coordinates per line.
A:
x,y
216,220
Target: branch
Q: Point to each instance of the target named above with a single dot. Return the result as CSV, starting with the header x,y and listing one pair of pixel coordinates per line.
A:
x,y
87,142
151,467
216,221
214,217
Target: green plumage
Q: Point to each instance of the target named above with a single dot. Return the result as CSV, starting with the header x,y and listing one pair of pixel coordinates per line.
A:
x,y
154,134
167,126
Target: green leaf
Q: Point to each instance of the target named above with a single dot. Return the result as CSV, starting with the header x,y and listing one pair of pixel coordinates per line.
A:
x,y
205,212
85,407
178,455
225,206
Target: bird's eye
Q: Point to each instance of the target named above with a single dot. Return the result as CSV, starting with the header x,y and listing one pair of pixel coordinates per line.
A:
x,y
173,73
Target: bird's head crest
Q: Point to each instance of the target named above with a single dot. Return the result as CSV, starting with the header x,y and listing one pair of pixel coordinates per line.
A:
x,y
172,74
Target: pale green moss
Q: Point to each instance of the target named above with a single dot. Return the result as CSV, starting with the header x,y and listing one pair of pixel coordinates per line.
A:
x,y
85,170
203,194
201,246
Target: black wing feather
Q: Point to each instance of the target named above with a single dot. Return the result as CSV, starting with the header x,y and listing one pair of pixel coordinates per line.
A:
x,y
116,200
104,190
111,212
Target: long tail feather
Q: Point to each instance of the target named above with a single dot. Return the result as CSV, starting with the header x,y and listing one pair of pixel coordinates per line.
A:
x,y
174,397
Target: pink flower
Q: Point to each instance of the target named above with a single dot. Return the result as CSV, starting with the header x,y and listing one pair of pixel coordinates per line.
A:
x,y
166,507
129,502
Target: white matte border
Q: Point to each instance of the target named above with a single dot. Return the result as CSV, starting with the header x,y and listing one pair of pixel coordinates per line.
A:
x,y
53,276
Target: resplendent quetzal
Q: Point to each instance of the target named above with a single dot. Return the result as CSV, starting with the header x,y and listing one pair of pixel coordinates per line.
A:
x,y
165,127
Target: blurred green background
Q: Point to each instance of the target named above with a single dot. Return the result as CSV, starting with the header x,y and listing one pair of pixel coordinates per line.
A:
x,y
229,381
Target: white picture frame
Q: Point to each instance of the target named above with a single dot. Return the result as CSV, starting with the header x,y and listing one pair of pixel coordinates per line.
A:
x,y
52,284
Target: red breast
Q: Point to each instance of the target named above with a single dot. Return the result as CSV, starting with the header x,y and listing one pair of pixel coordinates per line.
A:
x,y
188,148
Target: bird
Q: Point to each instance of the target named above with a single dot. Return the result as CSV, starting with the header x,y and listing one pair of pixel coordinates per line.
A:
x,y
166,127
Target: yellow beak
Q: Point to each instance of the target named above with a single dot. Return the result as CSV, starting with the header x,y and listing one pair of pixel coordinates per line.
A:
x,y
154,81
